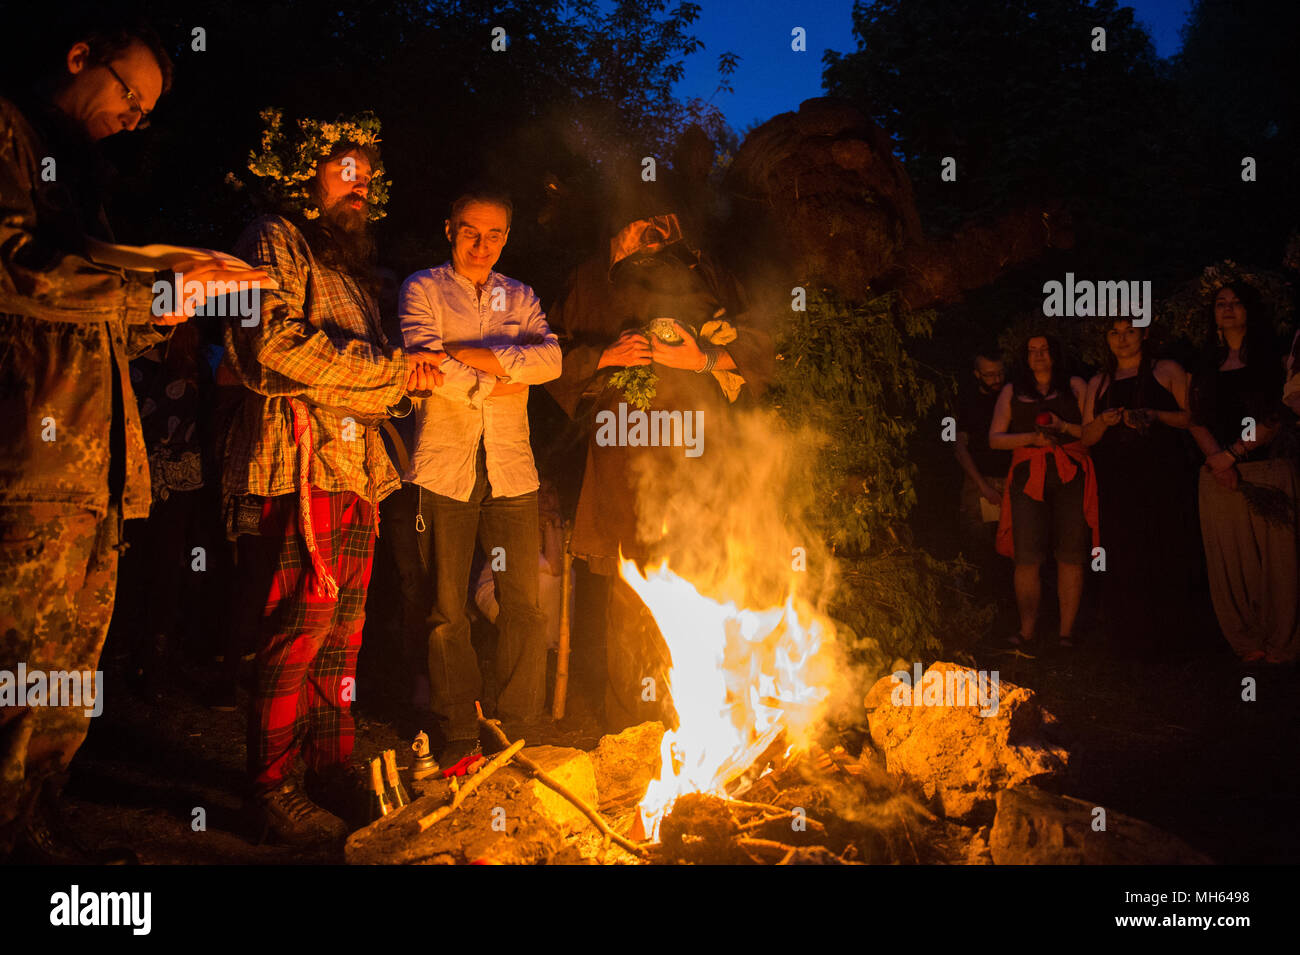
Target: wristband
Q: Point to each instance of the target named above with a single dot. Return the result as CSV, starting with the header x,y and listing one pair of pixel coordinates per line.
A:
x,y
710,359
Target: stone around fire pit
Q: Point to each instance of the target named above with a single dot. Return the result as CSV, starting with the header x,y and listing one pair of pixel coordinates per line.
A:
x,y
960,759
1034,827
511,818
626,763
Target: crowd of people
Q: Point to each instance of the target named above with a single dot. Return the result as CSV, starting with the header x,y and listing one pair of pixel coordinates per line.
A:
x,y
1103,475
268,452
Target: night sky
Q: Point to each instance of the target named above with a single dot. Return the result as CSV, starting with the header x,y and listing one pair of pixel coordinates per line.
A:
x,y
772,79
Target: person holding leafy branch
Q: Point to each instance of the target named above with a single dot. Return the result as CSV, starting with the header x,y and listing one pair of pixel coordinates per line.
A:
x,y
655,324
1249,485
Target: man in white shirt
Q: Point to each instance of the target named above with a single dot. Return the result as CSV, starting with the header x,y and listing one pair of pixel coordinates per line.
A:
x,y
474,465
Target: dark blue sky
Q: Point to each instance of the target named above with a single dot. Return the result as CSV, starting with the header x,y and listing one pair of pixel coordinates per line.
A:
x,y
772,79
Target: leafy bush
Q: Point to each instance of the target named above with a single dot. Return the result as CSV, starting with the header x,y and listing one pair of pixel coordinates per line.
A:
x,y
844,370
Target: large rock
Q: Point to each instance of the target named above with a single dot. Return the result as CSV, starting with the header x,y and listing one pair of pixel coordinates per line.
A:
x,y
1033,827
826,196
511,818
960,758
626,763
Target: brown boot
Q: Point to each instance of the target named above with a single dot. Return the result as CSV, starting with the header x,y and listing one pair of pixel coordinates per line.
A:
x,y
290,817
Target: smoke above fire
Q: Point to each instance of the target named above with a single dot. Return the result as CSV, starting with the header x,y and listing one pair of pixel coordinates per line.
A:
x,y
735,522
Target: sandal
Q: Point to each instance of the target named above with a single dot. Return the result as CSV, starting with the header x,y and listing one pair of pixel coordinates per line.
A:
x,y
1018,639
1067,641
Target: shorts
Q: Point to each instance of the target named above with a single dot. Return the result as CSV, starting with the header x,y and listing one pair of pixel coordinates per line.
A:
x,y
1058,517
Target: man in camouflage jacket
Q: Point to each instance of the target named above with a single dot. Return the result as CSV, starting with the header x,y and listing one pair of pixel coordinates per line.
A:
x,y
72,459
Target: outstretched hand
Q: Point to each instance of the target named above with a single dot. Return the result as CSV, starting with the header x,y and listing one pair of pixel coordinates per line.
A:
x,y
195,275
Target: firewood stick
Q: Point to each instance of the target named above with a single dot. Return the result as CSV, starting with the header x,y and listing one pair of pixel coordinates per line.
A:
x,y
562,651
540,775
472,783
762,821
733,770
763,806
769,844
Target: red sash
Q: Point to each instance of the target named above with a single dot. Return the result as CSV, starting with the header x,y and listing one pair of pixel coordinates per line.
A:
x,y
1065,456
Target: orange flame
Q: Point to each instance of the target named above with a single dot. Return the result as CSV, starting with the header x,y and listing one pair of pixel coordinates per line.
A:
x,y
739,678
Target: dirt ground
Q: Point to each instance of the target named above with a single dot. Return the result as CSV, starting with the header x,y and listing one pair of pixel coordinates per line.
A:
x,y
146,769
1171,742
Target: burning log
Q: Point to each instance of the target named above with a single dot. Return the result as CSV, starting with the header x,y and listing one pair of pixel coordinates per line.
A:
x,y
703,829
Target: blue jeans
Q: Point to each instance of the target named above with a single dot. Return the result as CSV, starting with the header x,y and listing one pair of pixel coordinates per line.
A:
x,y
511,524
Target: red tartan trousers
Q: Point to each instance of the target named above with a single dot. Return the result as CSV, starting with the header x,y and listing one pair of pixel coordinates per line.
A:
x,y
306,663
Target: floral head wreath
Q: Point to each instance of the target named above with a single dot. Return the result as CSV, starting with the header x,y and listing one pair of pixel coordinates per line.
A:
x,y
286,165
1223,273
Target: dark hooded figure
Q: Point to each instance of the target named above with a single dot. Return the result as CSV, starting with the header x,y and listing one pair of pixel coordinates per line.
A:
x,y
659,350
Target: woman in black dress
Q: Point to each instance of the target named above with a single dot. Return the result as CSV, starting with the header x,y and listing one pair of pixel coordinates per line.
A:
x,y
1132,414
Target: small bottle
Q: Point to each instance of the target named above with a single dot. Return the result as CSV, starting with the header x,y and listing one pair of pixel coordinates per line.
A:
x,y
396,791
379,804
425,764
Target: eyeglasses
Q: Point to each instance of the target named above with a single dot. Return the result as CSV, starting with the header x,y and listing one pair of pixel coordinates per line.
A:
x,y
470,235
132,100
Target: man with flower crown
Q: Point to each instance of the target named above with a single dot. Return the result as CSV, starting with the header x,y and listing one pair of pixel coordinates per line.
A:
x,y
305,468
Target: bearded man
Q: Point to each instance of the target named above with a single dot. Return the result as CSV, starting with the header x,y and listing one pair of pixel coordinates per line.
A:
x,y
305,469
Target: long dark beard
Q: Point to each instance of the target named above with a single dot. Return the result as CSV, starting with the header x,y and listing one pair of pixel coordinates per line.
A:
x,y
342,240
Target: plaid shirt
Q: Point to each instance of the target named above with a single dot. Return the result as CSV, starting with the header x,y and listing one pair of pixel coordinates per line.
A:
x,y
322,375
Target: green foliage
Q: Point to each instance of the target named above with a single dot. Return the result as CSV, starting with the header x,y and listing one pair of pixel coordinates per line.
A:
x,y
906,603
1184,314
638,385
633,55
1012,90
1238,66
287,164
845,370
1146,153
